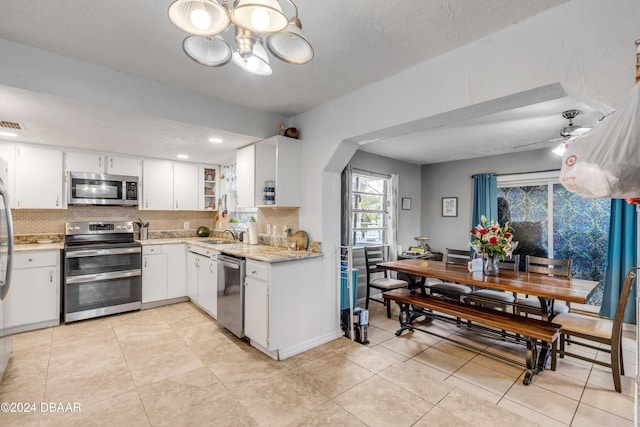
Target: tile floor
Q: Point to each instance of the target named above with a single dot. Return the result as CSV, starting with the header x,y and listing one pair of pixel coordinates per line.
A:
x,y
172,366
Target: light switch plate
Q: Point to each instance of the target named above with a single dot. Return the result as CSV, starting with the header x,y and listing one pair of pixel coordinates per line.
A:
x,y
186,225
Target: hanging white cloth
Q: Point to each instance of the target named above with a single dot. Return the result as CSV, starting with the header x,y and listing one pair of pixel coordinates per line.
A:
x,y
605,162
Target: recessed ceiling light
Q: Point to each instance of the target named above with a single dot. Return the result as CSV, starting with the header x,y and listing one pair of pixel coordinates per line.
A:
x,y
12,134
182,156
215,140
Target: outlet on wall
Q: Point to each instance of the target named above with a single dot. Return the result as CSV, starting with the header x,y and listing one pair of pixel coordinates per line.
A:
x,y
186,225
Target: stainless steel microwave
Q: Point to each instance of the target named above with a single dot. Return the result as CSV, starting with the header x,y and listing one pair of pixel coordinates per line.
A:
x,y
102,189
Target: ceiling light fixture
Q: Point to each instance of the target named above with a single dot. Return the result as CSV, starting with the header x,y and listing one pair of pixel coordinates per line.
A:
x,y
254,21
182,156
215,140
11,134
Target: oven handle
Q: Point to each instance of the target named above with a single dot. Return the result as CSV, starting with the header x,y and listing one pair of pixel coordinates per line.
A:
x,y
98,252
103,276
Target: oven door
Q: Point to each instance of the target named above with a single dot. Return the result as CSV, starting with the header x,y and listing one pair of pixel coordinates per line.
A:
x,y
101,280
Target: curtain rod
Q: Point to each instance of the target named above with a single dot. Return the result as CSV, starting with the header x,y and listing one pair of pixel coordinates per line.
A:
x,y
518,173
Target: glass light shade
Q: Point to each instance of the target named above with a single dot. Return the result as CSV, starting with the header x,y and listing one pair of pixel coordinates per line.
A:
x,y
257,63
290,45
211,51
560,149
199,17
259,16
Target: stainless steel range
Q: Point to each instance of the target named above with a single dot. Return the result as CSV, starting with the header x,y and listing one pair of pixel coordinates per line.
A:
x,y
102,269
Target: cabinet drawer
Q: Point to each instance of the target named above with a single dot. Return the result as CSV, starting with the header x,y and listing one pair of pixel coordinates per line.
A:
x,y
259,270
35,259
151,249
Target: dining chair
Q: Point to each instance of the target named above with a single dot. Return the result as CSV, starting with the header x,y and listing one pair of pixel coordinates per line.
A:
x,y
598,329
377,277
548,266
452,257
493,298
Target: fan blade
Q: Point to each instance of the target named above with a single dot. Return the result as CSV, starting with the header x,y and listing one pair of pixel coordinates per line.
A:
x,y
539,142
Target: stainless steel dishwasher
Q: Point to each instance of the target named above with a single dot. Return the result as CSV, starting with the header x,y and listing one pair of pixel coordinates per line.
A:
x,y
231,271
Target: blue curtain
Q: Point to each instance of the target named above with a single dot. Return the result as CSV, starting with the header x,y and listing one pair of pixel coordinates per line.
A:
x,y
485,197
622,254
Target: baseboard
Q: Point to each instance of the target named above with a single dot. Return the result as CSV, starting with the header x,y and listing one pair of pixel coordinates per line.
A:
x,y
308,345
31,327
154,304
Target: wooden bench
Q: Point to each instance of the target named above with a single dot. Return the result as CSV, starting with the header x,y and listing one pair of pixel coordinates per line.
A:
x,y
530,330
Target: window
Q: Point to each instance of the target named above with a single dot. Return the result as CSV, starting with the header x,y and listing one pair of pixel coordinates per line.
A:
x,y
550,221
369,207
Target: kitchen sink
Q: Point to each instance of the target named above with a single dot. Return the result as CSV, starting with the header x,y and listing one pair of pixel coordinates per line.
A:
x,y
218,242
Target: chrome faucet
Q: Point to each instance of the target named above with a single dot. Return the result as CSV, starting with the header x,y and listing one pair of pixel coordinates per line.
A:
x,y
234,234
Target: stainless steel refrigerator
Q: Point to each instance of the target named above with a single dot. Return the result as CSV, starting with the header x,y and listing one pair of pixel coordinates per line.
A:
x,y
6,253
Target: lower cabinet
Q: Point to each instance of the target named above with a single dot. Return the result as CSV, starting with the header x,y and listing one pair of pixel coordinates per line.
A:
x,y
283,309
202,279
33,300
163,272
256,319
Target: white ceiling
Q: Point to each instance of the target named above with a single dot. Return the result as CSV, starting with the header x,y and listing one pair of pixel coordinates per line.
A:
x,y
356,42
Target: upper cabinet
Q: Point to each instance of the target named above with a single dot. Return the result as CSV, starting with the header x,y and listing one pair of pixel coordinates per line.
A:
x,y
185,186
178,186
100,163
208,185
157,185
275,159
39,178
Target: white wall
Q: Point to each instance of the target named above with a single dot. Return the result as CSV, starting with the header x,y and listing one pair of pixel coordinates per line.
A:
x,y
37,70
453,179
585,44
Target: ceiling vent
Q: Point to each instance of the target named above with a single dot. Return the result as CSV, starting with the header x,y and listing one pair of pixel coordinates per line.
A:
x,y
11,125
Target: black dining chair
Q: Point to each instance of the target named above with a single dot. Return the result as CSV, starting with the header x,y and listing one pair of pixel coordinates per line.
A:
x,y
455,258
599,330
377,277
548,266
493,298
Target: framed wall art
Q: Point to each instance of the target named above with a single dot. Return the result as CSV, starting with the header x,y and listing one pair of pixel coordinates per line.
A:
x,y
406,203
449,206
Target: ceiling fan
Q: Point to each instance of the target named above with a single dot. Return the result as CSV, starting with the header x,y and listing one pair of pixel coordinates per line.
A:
x,y
567,133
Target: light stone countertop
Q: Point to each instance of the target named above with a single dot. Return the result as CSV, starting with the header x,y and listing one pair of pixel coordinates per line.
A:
x,y
264,253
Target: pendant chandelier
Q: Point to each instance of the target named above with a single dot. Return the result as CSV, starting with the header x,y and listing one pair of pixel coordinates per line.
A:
x,y
256,22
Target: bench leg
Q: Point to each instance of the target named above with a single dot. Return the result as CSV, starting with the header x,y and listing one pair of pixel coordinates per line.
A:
x,y
404,317
532,368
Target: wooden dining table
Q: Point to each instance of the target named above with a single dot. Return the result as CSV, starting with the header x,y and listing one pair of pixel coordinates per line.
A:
x,y
546,288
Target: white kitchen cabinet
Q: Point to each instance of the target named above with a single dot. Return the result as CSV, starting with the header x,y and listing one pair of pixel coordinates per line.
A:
x,y
33,300
154,274
276,159
39,178
256,315
176,270
92,162
202,278
282,308
163,272
185,186
8,153
157,185
208,185
127,166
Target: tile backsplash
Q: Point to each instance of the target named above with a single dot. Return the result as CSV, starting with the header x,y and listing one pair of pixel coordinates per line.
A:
x,y
51,222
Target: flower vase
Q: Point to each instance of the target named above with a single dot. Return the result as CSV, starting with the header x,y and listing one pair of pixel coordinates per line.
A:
x,y
491,265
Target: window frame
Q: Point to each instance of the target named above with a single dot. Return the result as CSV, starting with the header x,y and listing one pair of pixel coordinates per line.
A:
x,y
384,212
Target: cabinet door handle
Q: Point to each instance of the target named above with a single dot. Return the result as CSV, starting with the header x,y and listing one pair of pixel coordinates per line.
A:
x,y
145,262
146,203
57,200
30,259
211,267
176,204
50,276
100,161
111,161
